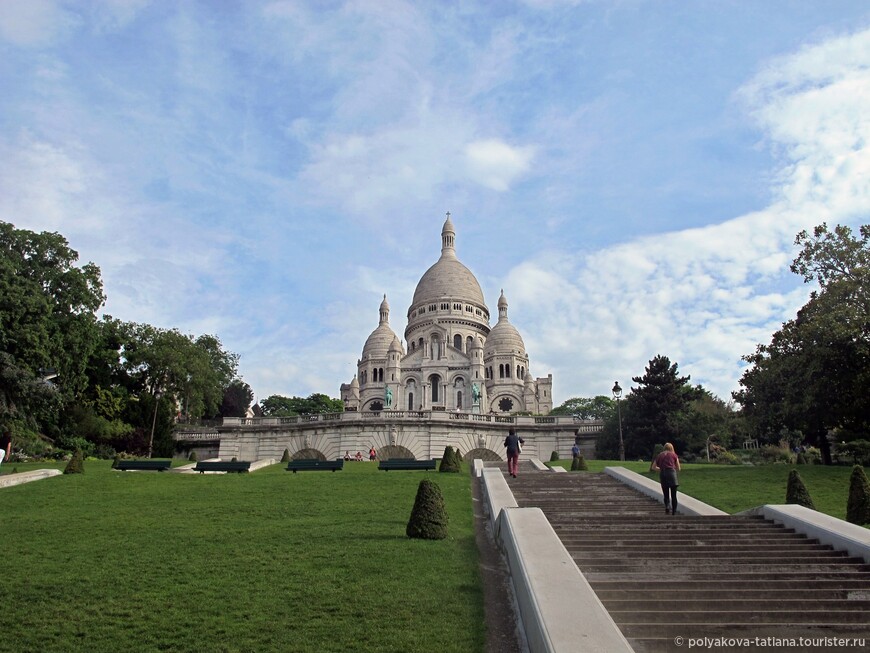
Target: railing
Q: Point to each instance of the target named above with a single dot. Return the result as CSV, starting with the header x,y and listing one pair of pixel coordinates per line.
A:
x,y
567,422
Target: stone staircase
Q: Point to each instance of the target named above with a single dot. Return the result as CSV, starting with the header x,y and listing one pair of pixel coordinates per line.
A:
x,y
729,579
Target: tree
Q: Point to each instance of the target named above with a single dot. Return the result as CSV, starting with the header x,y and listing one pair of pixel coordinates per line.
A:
x,y
657,408
814,375
190,372
599,407
280,406
858,504
47,321
237,399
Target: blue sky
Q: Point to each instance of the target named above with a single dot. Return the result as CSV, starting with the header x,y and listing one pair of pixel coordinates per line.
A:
x,y
631,173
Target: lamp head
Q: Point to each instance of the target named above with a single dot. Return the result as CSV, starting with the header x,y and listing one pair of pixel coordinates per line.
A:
x,y
617,391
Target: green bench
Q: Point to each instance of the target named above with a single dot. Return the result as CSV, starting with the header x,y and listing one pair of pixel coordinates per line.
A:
x,y
314,465
143,465
223,466
406,463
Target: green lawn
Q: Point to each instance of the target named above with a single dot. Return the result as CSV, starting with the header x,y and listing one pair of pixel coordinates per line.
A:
x,y
734,488
268,561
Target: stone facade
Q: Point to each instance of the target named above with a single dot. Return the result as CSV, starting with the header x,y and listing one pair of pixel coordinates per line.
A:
x,y
451,359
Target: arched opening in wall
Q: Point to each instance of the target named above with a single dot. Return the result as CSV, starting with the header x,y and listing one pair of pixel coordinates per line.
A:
x,y
376,406
435,382
500,371
457,342
308,454
410,401
505,404
435,347
420,343
394,451
483,454
365,377
468,342
459,399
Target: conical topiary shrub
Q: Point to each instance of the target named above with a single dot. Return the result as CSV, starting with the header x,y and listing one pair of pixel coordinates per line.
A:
x,y
428,518
76,464
116,460
858,506
457,458
554,456
796,492
193,457
286,457
578,464
448,461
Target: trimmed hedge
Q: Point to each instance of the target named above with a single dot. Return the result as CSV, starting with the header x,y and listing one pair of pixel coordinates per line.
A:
x,y
858,505
429,517
796,492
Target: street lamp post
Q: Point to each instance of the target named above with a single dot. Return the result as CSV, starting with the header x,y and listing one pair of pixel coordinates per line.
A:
x,y
617,394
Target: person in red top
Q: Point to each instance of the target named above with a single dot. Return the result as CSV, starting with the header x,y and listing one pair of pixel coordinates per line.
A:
x,y
667,464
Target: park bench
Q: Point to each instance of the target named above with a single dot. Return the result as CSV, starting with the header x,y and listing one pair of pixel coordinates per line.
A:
x,y
223,466
406,463
143,465
313,465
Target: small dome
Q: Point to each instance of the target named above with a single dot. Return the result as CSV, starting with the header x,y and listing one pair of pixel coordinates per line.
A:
x,y
396,345
504,337
378,343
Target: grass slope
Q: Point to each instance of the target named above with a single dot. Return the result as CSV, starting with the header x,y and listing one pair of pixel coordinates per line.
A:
x,y
268,561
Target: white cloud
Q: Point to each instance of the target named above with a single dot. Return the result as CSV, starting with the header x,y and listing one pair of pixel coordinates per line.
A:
x,y
495,164
705,297
34,22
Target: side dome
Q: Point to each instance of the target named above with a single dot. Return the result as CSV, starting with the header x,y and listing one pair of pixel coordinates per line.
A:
x,y
504,337
378,343
448,277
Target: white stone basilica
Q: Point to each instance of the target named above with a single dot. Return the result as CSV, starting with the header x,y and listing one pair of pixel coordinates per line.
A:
x,y
452,360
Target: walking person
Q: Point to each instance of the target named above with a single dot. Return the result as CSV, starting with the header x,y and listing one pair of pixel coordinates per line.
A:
x,y
667,464
513,443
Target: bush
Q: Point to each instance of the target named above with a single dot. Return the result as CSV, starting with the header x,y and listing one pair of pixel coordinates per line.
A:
x,y
772,454
76,464
796,492
657,450
578,464
116,460
192,457
554,456
724,457
429,517
857,450
286,457
448,461
858,506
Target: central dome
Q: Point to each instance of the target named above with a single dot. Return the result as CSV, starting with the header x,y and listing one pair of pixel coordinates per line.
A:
x,y
448,278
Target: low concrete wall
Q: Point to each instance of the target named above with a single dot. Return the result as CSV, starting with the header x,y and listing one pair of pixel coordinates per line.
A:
x,y
559,610
837,533
496,494
8,480
686,505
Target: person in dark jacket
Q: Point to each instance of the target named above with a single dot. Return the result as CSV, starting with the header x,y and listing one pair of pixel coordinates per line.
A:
x,y
667,464
513,442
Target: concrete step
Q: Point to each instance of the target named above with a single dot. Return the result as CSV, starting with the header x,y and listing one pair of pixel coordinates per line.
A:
x,y
665,576
727,604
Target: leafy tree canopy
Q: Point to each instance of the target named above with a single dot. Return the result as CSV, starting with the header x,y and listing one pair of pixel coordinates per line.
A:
x,y
280,406
599,407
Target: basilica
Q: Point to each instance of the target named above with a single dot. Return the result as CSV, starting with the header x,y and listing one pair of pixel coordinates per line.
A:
x,y
450,358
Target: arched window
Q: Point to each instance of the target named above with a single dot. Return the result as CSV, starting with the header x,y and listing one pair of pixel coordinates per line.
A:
x,y
468,342
519,372
410,401
459,399
500,371
457,342
435,382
